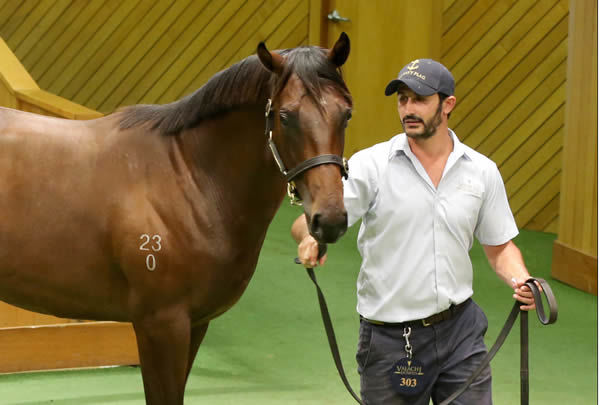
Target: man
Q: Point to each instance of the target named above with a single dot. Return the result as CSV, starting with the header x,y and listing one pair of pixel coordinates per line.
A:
x,y
422,197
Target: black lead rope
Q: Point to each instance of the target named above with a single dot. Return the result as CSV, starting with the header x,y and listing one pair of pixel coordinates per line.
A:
x,y
335,352
514,313
537,296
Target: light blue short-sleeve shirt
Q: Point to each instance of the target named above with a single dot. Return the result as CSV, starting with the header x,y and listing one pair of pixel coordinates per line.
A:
x,y
414,238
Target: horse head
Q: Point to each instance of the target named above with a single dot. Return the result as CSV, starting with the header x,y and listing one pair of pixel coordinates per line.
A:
x,y
306,119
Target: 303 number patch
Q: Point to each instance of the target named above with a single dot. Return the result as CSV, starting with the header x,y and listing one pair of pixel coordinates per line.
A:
x,y
408,382
409,376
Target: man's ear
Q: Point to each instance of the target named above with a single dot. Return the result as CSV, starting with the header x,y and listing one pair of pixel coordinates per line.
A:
x,y
449,104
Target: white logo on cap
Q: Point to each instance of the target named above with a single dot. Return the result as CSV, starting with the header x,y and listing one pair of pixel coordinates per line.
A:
x,y
413,65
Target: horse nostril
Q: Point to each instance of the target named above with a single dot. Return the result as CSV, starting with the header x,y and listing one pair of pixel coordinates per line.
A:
x,y
329,228
315,226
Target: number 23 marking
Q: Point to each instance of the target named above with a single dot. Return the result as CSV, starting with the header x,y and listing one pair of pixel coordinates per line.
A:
x,y
155,238
156,246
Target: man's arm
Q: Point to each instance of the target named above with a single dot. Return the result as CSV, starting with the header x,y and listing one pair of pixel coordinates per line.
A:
x,y
507,262
308,248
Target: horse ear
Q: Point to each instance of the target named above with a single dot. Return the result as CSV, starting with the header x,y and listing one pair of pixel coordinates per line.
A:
x,y
271,60
340,51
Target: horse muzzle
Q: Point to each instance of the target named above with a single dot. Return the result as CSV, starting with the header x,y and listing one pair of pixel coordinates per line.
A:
x,y
328,226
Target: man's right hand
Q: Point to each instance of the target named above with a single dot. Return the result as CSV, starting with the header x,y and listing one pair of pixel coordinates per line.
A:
x,y
308,252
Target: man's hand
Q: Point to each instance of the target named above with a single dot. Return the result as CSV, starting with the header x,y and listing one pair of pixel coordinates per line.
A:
x,y
308,251
523,294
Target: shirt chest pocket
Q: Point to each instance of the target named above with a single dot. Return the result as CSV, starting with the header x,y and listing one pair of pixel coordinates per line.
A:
x,y
469,187
464,203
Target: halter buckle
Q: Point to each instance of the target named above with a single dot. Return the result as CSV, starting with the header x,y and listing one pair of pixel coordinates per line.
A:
x,y
293,194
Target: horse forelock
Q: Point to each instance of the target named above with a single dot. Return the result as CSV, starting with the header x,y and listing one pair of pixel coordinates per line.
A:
x,y
245,83
315,71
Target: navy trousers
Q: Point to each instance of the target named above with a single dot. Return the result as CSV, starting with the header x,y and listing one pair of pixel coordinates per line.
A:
x,y
450,351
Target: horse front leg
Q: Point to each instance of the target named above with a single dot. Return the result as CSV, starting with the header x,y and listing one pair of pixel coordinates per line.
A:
x,y
164,347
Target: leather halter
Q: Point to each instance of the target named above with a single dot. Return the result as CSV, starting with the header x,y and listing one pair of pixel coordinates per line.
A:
x,y
308,164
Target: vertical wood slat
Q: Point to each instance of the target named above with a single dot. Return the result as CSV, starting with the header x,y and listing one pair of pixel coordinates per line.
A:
x,y
589,240
317,30
581,132
575,254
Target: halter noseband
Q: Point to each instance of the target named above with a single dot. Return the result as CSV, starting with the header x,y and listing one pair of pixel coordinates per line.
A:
x,y
308,164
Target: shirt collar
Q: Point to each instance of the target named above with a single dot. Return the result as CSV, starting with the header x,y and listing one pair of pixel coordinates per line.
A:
x,y
400,145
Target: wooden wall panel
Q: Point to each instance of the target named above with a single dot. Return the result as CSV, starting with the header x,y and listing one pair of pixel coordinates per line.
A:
x,y
509,61
110,53
575,254
67,345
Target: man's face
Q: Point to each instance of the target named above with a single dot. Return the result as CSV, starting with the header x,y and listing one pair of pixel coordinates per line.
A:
x,y
420,115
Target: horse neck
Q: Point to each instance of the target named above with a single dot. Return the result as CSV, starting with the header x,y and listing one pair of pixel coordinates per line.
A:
x,y
229,156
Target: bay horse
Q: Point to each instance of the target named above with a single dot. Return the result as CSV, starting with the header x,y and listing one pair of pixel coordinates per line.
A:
x,y
156,214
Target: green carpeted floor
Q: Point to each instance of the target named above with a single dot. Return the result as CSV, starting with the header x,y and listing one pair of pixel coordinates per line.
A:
x,y
271,347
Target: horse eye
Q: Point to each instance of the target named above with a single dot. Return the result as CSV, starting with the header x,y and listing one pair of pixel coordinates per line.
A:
x,y
283,117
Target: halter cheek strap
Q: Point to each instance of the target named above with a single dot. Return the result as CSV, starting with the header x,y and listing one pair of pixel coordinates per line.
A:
x,y
308,164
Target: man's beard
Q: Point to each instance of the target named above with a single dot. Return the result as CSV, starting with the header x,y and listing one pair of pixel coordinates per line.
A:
x,y
429,127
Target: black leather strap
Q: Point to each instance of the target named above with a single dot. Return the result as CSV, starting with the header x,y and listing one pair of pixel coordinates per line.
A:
x,y
331,336
313,162
553,308
335,352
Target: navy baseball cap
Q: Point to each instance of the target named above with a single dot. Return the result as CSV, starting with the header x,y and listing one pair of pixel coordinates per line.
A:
x,y
425,77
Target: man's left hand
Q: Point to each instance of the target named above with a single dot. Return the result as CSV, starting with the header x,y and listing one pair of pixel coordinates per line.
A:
x,y
523,294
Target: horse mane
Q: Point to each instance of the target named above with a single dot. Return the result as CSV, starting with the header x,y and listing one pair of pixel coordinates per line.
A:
x,y
244,83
